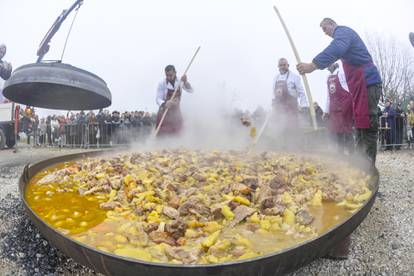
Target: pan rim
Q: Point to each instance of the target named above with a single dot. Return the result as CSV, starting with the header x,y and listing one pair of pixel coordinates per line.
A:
x,y
374,183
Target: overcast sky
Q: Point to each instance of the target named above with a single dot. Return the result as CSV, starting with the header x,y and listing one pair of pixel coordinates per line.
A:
x,y
128,43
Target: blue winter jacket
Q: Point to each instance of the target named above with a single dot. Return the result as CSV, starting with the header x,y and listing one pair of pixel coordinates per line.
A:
x,y
347,45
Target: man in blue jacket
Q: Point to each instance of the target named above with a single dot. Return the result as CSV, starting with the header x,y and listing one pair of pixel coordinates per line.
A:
x,y
362,77
365,85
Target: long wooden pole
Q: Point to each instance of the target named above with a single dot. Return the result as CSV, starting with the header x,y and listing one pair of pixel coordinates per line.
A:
x,y
262,129
305,79
175,92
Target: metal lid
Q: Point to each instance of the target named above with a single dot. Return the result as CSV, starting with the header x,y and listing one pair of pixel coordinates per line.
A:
x,y
57,86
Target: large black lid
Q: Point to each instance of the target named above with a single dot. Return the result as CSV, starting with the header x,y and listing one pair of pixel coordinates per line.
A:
x,y
57,86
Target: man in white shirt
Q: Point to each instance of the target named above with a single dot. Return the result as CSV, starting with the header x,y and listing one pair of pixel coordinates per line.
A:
x,y
173,121
288,90
289,108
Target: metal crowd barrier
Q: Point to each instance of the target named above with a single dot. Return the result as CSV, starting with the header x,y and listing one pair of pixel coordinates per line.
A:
x,y
93,135
394,132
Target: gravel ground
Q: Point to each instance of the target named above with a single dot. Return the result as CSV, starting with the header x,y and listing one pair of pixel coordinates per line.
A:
x,y
23,251
382,245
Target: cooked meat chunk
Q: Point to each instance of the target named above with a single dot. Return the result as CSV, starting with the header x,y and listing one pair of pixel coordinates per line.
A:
x,y
266,203
103,188
170,212
188,192
187,256
174,201
171,187
240,213
241,189
233,205
110,205
56,176
182,177
278,183
238,251
176,228
275,210
115,182
264,193
216,211
139,210
304,217
150,227
161,237
194,205
253,227
252,182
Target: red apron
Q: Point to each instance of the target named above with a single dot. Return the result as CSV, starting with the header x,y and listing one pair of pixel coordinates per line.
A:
x,y
17,120
283,100
173,121
355,78
340,107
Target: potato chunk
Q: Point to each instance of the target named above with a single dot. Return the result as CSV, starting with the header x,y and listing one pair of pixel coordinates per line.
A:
x,y
210,240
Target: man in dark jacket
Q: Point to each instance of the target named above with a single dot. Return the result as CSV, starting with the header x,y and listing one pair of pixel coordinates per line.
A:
x,y
5,67
365,85
388,122
399,126
362,77
49,130
82,129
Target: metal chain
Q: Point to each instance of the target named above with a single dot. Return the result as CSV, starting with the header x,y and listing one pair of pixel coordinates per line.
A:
x,y
70,29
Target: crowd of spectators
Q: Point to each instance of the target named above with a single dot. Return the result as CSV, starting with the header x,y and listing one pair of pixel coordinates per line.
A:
x,y
86,129
396,125
103,128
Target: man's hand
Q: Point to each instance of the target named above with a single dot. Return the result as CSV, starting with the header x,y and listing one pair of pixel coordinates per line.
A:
x,y
184,78
325,116
305,68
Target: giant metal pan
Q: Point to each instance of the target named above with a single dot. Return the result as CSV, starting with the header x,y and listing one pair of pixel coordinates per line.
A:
x,y
109,264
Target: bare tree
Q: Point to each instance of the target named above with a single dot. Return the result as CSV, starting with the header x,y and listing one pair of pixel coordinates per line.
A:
x,y
395,62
